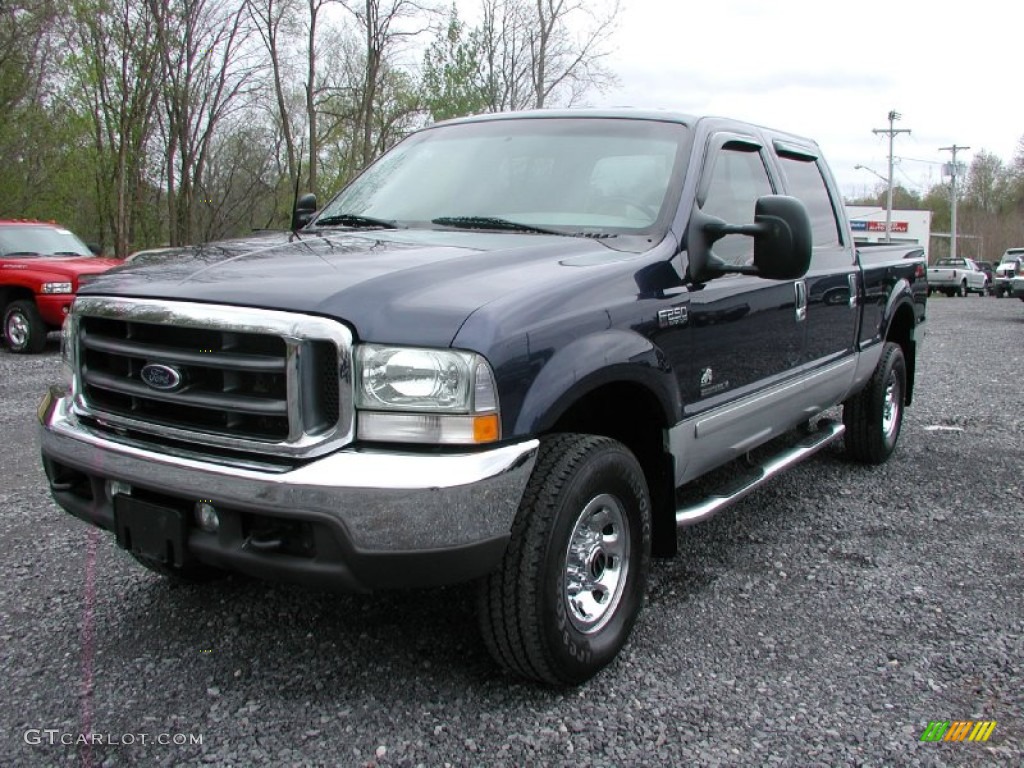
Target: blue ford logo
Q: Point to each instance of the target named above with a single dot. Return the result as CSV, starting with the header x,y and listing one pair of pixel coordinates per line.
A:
x,y
162,377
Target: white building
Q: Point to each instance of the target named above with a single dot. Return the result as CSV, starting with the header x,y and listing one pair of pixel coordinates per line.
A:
x,y
911,227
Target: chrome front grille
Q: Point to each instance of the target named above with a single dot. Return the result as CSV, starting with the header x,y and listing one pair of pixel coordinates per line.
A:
x,y
245,379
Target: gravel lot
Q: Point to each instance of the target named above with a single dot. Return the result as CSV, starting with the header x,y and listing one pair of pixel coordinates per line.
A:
x,y
824,621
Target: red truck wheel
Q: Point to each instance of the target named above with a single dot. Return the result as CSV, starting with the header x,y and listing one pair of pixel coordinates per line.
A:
x,y
24,329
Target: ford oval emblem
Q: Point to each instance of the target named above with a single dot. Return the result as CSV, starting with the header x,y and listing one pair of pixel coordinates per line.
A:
x,y
162,377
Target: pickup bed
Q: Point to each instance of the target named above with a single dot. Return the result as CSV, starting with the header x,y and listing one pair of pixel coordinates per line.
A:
x,y
503,353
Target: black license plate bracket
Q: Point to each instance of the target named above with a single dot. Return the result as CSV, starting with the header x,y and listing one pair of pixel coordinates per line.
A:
x,y
150,530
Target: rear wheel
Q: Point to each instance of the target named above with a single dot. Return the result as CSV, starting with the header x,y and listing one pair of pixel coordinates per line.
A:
x,y
24,329
874,416
572,581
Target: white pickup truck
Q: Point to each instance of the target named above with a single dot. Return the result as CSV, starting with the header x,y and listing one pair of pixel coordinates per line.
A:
x,y
957,277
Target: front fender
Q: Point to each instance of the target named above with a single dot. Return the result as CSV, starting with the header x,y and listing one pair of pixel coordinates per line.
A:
x,y
583,365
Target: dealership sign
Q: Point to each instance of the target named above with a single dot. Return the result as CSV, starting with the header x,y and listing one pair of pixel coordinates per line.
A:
x,y
878,226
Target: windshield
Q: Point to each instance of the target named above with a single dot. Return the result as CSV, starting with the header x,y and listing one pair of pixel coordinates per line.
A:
x,y
569,175
27,241
951,263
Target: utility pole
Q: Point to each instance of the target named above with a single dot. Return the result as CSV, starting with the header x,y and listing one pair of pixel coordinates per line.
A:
x,y
952,183
891,133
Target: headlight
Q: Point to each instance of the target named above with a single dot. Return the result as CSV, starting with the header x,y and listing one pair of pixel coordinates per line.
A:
x,y
67,348
437,396
57,288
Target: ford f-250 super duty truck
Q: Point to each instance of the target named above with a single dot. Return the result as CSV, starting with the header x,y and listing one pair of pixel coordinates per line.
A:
x,y
497,354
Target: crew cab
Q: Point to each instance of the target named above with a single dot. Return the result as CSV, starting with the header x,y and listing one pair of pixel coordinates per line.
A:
x,y
503,353
41,266
957,277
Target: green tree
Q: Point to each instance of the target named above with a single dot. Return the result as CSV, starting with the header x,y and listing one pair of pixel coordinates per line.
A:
x,y
453,83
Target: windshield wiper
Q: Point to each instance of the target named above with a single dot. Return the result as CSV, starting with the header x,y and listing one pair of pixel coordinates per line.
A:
x,y
354,220
16,254
493,222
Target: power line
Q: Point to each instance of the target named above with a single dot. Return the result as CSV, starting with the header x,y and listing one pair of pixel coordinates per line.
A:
x,y
918,160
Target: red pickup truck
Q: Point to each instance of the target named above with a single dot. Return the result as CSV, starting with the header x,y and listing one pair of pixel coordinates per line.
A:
x,y
41,266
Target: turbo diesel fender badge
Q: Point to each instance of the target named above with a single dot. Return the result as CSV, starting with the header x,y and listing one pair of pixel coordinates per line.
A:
x,y
162,377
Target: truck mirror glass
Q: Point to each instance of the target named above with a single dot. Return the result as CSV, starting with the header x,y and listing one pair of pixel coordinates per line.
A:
x,y
782,246
305,208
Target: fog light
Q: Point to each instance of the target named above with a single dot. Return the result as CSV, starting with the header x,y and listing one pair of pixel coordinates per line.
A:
x,y
207,517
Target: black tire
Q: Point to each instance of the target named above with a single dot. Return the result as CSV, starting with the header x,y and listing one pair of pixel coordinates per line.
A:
x,y
533,617
191,573
962,291
24,329
874,416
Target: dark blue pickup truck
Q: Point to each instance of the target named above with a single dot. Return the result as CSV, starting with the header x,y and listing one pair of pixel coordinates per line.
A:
x,y
504,352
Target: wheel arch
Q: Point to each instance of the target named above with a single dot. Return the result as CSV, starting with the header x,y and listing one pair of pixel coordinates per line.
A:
x,y
10,293
900,330
631,413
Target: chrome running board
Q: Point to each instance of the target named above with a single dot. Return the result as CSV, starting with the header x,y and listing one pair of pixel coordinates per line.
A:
x,y
749,481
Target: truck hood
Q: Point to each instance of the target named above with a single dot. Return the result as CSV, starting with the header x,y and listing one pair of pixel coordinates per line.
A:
x,y
61,266
408,286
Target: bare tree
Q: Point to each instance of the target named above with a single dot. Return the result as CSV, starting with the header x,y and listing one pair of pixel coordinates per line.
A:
x,y
539,52
384,27
269,19
117,77
207,67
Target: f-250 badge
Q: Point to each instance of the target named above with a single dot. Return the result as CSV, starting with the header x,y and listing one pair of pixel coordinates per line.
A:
x,y
672,316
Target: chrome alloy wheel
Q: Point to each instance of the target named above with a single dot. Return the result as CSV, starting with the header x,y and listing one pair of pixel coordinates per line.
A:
x,y
17,329
891,406
596,563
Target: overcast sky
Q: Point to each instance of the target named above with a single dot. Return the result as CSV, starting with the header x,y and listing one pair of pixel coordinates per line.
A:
x,y
833,71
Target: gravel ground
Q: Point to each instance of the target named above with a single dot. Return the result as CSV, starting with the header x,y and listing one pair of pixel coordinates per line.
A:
x,y
823,621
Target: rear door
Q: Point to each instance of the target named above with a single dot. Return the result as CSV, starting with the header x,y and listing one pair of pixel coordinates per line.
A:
x,y
831,283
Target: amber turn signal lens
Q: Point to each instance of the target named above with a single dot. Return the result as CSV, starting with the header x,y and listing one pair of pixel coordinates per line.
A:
x,y
486,429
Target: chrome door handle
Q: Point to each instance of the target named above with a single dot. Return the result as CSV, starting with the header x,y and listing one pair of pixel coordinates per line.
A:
x,y
800,289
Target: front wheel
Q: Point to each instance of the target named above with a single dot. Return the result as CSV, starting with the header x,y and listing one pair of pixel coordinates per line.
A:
x,y
24,329
572,581
962,290
874,416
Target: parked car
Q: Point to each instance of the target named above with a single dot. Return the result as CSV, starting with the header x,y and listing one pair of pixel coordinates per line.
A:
x,y
495,356
41,268
989,269
1011,265
957,277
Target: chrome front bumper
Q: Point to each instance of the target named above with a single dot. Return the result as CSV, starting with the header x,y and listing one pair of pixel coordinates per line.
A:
x,y
445,516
